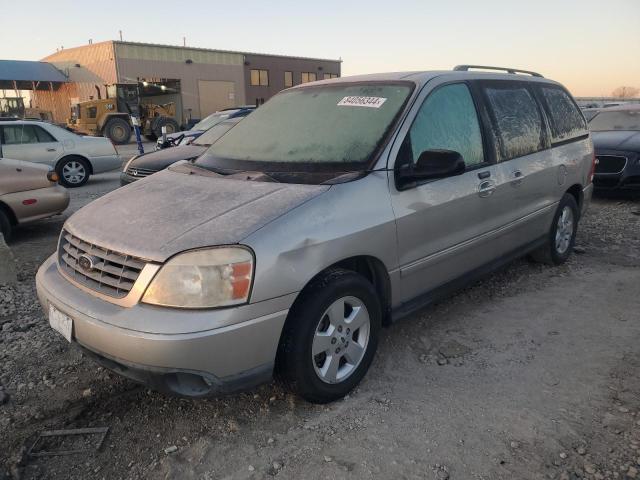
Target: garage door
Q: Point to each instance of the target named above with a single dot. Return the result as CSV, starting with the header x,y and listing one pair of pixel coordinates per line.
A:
x,y
215,95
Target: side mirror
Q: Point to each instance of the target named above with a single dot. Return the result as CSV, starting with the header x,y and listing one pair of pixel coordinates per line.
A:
x,y
434,164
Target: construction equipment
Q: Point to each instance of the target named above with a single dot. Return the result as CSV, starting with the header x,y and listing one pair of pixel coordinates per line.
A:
x,y
111,116
14,107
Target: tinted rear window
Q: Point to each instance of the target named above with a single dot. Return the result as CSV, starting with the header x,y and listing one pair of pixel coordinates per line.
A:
x,y
517,118
566,120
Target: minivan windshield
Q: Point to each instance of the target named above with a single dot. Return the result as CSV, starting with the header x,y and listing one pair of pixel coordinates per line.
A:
x,y
322,128
616,120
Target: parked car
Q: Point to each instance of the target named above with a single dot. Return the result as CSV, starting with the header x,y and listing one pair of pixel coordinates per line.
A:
x,y
141,166
187,137
616,139
589,113
75,158
335,208
28,192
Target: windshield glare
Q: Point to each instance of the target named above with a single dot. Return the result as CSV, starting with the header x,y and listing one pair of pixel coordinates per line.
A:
x,y
618,120
213,119
332,125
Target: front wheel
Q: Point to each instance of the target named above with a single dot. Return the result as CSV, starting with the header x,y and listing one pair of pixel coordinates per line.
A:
x,y
562,235
331,336
5,226
118,130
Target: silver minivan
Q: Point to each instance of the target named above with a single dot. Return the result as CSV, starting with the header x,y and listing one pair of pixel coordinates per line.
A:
x,y
334,209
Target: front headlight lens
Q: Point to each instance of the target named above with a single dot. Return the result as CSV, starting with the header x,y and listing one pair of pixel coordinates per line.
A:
x,y
216,277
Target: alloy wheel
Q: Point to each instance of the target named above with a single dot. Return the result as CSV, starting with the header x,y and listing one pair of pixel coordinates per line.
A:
x,y
564,230
74,172
340,340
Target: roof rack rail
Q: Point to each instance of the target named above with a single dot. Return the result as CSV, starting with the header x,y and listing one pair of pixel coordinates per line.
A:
x,y
466,68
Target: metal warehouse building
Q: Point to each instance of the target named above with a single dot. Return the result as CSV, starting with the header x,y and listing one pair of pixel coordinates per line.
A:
x,y
200,81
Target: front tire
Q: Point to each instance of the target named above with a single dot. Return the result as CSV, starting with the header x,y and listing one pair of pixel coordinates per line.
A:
x,y
117,130
5,226
331,336
159,122
73,172
562,235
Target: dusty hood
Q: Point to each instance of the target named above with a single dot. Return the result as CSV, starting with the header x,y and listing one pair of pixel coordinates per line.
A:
x,y
161,159
169,212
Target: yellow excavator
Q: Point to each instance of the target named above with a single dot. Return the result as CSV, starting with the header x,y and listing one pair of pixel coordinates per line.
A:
x,y
111,116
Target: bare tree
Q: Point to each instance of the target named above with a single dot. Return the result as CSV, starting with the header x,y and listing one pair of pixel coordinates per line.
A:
x,y
625,92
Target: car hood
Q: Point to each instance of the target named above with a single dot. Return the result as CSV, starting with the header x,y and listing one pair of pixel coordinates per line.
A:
x,y
627,140
170,212
161,159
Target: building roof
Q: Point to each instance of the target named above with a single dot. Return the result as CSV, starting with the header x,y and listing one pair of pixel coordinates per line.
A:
x,y
20,70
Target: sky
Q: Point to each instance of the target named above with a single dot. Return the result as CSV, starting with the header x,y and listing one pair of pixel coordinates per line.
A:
x,y
591,46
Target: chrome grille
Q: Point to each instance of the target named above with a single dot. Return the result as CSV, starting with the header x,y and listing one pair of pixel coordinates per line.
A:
x,y
610,164
113,273
140,172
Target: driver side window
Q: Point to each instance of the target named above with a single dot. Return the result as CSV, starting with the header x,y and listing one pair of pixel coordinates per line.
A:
x,y
447,120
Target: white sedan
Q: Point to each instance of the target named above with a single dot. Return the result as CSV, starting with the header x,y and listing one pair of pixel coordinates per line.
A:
x,y
73,157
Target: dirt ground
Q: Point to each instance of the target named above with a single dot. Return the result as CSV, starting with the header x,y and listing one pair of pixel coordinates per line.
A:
x,y
531,373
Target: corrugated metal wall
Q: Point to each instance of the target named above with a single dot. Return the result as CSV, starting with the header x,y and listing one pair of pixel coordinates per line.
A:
x,y
147,61
97,66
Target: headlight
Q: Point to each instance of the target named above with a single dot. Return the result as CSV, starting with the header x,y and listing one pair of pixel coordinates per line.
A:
x,y
215,277
126,165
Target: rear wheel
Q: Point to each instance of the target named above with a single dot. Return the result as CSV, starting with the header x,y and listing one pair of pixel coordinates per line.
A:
x,y
562,235
73,171
117,130
5,226
331,336
159,122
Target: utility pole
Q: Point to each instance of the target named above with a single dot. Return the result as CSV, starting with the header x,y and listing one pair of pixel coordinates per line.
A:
x,y
120,32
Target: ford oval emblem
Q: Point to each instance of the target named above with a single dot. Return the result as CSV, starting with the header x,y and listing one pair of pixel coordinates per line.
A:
x,y
86,262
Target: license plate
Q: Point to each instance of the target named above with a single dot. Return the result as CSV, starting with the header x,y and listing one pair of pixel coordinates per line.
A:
x,y
60,322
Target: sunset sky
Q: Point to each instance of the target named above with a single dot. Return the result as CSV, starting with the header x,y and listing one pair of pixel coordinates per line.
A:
x,y
592,46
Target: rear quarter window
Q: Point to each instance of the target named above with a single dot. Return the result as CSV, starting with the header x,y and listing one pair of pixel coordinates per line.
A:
x,y
566,120
517,118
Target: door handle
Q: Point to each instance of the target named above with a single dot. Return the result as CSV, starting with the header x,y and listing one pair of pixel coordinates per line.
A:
x,y
516,178
486,188
51,149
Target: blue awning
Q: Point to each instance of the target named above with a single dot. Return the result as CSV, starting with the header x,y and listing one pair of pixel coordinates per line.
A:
x,y
25,71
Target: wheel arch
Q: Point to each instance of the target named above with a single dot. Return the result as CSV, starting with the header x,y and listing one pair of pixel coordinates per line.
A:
x,y
6,209
371,268
575,190
75,155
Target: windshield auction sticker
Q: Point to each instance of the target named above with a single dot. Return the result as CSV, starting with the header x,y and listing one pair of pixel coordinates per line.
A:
x,y
371,102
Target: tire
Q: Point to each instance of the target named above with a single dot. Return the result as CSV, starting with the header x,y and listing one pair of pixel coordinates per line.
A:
x,y
117,130
562,235
317,322
73,171
5,226
159,122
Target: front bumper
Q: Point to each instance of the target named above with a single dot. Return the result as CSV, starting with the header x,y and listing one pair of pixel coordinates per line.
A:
x,y
236,351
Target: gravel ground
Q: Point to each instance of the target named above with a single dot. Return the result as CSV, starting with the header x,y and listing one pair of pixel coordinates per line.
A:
x,y
531,373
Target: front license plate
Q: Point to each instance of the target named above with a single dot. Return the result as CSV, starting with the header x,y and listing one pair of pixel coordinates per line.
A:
x,y
60,322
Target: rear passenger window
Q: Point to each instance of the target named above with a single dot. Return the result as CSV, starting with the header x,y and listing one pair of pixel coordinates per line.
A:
x,y
518,120
43,135
566,120
448,120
